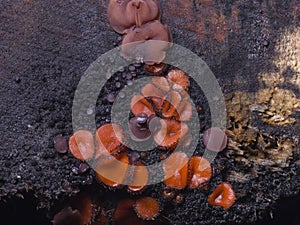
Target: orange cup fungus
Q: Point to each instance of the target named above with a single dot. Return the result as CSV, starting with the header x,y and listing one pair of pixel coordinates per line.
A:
x,y
223,196
170,133
109,139
138,212
200,171
176,170
138,178
113,170
81,145
139,104
147,208
178,79
180,172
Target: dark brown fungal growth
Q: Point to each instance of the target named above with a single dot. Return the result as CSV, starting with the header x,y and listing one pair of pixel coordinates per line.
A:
x,y
67,216
147,43
156,69
79,211
123,14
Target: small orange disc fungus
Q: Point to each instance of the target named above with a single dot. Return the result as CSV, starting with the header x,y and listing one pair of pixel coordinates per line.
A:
x,y
176,170
200,171
171,104
138,178
147,208
149,90
223,196
109,139
140,105
170,132
179,79
184,111
162,83
81,145
113,170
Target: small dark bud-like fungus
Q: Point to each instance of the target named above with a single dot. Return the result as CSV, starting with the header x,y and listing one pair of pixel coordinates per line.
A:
x,y
138,127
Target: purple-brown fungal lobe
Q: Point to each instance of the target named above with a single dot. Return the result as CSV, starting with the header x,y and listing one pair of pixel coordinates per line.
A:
x,y
61,144
148,42
123,14
139,129
215,139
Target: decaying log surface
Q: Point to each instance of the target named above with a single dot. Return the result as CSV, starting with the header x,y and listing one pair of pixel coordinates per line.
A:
x,y
253,48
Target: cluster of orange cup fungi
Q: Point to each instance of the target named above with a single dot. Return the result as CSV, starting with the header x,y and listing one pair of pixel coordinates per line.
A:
x,y
164,98
181,172
139,22
109,152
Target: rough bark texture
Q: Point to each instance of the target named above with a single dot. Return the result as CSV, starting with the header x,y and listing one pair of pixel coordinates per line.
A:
x,y
253,48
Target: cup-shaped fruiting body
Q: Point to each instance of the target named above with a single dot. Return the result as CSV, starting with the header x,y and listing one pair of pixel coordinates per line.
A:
x,y
138,178
168,96
200,171
109,139
148,43
215,139
170,133
81,145
179,79
176,170
140,105
123,14
112,171
147,208
223,196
